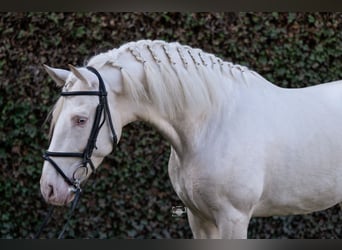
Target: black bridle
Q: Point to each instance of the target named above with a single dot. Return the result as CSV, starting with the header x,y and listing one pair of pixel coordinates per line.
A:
x,y
85,156
91,144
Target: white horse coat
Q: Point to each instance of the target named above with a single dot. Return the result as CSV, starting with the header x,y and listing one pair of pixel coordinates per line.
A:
x,y
241,146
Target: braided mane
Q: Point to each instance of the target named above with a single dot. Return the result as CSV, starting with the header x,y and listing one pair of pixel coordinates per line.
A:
x,y
177,76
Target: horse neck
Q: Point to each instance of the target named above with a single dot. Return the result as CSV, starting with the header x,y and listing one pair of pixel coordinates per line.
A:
x,y
188,129
179,131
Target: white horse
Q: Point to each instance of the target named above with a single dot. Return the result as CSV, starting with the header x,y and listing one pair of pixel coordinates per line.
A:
x,y
240,146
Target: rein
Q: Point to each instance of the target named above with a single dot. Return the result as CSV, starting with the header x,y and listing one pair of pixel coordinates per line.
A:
x,y
75,181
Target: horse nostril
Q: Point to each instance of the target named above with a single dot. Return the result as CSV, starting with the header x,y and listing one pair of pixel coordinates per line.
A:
x,y
50,193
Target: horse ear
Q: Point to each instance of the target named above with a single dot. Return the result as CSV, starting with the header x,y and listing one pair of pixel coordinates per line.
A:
x,y
58,75
84,75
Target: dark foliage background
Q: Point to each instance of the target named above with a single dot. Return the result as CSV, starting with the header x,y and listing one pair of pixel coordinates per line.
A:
x,y
132,196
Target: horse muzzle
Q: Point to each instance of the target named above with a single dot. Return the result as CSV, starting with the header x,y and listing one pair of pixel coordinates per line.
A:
x,y
59,195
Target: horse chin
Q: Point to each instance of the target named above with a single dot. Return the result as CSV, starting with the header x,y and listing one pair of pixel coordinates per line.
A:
x,y
61,201
69,199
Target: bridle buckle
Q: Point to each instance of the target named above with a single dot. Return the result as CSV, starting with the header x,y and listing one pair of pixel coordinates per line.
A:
x,y
76,187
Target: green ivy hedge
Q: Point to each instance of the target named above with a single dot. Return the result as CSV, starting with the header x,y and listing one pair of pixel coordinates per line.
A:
x,y
132,196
